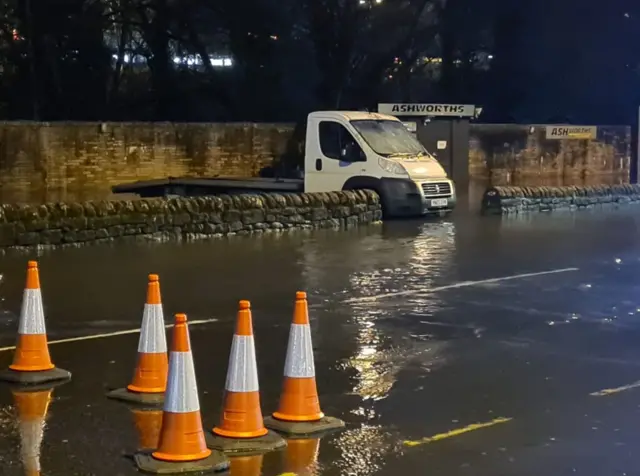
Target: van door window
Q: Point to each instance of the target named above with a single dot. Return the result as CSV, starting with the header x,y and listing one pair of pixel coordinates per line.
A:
x,y
336,142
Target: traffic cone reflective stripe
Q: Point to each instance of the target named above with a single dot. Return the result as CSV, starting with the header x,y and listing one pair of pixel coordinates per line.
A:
x,y
151,370
299,399
241,415
31,409
181,436
32,351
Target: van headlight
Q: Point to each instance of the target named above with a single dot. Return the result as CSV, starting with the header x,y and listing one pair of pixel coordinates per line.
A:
x,y
392,167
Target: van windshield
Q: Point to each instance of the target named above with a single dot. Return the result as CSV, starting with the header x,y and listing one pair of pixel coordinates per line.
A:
x,y
389,138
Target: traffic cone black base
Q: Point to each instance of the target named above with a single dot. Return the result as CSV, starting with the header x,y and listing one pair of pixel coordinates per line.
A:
x,y
304,428
34,378
217,462
245,446
146,399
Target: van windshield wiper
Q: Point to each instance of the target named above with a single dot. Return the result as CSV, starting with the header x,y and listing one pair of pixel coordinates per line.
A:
x,y
400,154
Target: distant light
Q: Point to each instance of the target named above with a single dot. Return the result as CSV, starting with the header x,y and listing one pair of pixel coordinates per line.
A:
x,y
490,56
221,62
273,37
217,61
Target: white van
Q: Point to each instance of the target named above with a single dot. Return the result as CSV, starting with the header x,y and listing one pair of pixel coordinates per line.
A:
x,y
347,150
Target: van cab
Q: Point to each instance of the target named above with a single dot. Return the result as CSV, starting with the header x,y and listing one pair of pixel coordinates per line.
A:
x,y
346,150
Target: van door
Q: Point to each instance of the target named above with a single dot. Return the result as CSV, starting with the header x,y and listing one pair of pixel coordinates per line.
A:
x,y
332,156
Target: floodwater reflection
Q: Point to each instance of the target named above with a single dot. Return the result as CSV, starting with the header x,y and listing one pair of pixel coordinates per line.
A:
x,y
363,450
376,372
301,457
31,408
246,465
148,425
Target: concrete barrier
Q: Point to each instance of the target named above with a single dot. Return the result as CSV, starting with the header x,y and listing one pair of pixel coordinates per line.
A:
x,y
190,218
510,200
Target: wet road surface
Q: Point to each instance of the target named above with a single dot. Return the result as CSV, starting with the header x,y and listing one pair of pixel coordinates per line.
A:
x,y
420,330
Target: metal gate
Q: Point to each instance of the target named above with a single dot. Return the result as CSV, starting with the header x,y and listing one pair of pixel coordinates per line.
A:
x,y
436,137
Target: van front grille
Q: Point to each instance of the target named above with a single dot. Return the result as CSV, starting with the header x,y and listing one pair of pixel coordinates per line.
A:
x,y
436,189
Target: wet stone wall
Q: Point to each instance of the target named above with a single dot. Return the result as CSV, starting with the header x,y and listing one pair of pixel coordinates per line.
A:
x,y
183,218
514,200
518,154
78,161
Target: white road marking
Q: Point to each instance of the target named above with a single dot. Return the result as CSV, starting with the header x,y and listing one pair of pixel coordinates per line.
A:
x,y
462,284
109,334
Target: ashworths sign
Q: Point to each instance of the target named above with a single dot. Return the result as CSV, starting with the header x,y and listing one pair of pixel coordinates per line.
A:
x,y
572,132
407,109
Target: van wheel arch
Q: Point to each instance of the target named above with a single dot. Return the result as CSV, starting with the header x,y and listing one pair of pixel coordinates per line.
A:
x,y
368,183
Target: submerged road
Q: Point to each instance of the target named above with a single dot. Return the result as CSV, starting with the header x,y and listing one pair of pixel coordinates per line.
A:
x,y
467,346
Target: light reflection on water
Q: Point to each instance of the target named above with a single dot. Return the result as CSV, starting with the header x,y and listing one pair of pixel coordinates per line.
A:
x,y
395,261
427,255
364,450
415,261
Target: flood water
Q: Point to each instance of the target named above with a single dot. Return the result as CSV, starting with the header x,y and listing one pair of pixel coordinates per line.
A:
x,y
420,328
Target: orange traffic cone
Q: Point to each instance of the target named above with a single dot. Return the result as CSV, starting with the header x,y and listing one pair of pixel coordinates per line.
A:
x,y
150,377
31,412
31,361
148,424
299,412
301,457
181,446
241,429
246,465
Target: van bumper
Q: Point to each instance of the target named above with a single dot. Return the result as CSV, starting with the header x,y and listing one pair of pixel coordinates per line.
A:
x,y
404,198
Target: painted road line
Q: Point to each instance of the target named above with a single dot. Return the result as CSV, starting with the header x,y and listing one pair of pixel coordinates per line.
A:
x,y
109,334
611,391
462,284
459,431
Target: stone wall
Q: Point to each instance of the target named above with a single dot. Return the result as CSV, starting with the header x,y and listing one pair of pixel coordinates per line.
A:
x,y
43,162
81,161
190,218
515,200
522,155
